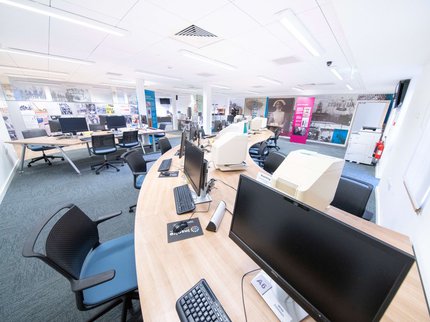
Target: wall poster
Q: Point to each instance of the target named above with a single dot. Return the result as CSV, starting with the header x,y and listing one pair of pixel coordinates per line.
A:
x,y
255,106
151,109
331,118
302,119
280,113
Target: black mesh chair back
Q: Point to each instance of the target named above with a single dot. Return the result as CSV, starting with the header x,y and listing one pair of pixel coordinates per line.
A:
x,y
162,126
135,161
352,195
103,142
164,145
34,133
263,150
130,137
97,127
273,161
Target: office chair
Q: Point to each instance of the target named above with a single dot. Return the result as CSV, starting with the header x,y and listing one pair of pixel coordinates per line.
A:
x,y
164,145
130,139
35,133
352,196
97,127
259,154
161,126
273,161
99,273
103,145
137,165
272,142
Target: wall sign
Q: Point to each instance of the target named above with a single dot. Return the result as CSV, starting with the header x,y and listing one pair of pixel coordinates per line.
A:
x,y
302,119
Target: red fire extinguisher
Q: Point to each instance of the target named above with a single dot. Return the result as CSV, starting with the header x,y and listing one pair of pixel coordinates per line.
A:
x,y
379,149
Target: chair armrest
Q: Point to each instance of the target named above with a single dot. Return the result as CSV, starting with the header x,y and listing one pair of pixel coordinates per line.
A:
x,y
107,217
79,285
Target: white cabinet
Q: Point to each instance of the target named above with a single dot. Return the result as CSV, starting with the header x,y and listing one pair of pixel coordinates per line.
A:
x,y
361,146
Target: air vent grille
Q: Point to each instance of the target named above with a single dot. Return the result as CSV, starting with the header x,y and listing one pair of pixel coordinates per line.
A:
x,y
194,31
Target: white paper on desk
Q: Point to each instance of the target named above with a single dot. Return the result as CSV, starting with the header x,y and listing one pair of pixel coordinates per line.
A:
x,y
264,178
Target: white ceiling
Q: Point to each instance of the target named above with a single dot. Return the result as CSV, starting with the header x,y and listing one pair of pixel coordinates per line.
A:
x,y
372,43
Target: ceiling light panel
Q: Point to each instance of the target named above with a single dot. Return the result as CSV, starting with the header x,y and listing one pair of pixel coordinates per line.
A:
x,y
336,73
55,13
16,51
270,80
31,70
220,86
155,75
192,55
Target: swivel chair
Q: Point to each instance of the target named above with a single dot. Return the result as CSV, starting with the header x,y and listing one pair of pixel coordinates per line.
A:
x,y
137,165
164,145
161,126
352,196
272,142
35,133
259,154
103,145
273,161
99,273
130,139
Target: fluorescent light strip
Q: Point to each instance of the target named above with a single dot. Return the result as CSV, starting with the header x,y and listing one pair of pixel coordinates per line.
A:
x,y
123,81
205,59
290,21
31,70
297,88
349,87
43,55
336,73
251,92
157,75
34,77
64,15
186,89
220,86
117,85
270,80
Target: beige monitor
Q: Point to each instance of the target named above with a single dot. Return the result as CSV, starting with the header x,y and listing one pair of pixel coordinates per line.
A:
x,y
230,149
258,123
309,177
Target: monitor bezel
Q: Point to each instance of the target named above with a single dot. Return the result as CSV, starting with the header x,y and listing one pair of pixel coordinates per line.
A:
x,y
197,189
74,118
117,117
289,289
182,146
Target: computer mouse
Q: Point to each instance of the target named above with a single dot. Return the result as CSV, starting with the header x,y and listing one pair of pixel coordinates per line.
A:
x,y
165,173
180,226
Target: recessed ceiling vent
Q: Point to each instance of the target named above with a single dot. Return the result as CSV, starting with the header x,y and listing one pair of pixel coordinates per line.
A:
x,y
196,36
194,31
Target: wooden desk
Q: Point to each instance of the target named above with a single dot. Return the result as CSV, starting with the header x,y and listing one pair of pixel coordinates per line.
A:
x,y
51,141
166,271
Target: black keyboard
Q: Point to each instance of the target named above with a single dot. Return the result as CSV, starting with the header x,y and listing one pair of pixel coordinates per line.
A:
x,y
165,165
200,304
183,199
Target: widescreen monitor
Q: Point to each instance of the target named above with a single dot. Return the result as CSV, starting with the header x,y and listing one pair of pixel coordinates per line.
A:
x,y
332,270
182,147
115,122
196,167
54,126
73,124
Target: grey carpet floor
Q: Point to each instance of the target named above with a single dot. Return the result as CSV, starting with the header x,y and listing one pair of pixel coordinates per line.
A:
x,y
32,291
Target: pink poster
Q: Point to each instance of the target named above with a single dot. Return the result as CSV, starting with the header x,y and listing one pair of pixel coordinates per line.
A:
x,y
302,119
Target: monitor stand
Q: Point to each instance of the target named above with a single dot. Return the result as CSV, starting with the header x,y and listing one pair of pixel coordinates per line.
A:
x,y
203,198
284,307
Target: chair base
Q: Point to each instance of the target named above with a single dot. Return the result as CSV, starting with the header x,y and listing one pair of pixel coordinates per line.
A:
x,y
130,209
127,304
105,165
46,158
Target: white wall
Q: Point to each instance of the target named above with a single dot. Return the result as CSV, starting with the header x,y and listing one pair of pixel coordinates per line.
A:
x,y
8,159
395,209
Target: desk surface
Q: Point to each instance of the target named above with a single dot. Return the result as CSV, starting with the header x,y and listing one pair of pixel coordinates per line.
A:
x,y
48,140
166,271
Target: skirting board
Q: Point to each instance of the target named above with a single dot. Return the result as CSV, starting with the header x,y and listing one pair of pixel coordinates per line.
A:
x,y
8,181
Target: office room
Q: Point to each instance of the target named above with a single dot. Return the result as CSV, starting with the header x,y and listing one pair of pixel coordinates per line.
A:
x,y
223,160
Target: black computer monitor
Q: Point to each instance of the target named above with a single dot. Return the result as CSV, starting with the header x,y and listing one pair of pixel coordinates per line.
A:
x,y
334,271
115,122
196,167
182,147
102,119
54,126
73,124
193,133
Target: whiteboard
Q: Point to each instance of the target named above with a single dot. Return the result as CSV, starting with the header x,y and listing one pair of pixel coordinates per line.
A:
x,y
417,175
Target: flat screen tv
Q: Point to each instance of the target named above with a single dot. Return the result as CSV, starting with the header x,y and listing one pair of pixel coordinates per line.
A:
x,y
332,270
165,101
400,92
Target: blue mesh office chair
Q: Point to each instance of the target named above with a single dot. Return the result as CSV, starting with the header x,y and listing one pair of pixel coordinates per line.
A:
x,y
130,139
103,145
35,133
99,273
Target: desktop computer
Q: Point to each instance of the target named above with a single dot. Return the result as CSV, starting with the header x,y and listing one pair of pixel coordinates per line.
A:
x,y
309,177
115,122
229,152
234,128
73,124
258,123
330,269
54,126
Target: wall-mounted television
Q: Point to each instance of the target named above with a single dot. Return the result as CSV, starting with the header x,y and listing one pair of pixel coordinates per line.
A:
x,y
165,101
400,92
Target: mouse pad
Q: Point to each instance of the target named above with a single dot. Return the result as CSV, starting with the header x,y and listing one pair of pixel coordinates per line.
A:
x,y
168,174
194,229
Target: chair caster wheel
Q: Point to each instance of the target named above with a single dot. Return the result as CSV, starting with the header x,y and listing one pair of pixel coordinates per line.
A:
x,y
29,165
62,159
131,210
117,170
49,163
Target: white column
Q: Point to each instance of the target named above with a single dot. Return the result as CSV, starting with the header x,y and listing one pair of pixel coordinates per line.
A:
x,y
141,101
174,112
207,109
